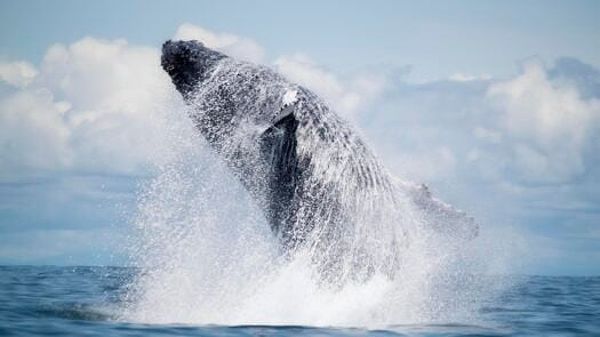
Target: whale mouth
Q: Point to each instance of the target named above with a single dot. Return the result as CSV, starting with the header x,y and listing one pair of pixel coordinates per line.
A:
x,y
188,63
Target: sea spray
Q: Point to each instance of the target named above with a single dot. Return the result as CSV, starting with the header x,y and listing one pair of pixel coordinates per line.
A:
x,y
207,256
372,250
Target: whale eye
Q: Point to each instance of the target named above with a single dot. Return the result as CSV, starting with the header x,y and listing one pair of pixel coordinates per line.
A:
x,y
170,67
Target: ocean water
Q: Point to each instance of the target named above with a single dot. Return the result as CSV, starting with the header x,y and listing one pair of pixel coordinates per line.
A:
x,y
91,301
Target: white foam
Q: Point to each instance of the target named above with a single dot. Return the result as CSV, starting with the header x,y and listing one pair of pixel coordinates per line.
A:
x,y
208,256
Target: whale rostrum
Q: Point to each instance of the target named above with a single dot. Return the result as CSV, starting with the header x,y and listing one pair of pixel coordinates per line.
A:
x,y
319,185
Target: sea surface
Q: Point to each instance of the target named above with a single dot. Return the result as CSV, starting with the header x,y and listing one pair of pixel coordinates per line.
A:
x,y
87,301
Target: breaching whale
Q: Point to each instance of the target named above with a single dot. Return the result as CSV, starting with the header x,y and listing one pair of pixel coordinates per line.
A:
x,y
319,185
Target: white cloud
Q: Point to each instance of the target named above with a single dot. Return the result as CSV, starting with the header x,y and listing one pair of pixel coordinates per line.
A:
x,y
439,162
95,105
347,96
488,135
32,132
230,44
461,77
549,124
18,74
528,129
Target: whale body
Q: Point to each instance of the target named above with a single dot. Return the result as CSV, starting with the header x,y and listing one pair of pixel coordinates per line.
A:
x,y
319,185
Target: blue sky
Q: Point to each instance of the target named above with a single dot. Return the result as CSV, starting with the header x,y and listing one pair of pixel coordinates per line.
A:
x,y
495,105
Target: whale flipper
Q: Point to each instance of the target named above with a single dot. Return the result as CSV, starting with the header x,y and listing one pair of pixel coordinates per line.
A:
x,y
278,146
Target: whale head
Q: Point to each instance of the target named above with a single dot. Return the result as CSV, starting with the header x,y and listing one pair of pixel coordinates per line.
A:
x,y
188,63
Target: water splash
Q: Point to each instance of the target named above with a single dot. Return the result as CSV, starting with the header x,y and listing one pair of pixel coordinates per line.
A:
x,y
209,256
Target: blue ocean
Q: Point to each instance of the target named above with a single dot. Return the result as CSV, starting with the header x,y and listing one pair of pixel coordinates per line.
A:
x,y
89,301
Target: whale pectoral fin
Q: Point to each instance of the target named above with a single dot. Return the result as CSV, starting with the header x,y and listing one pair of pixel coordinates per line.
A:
x,y
280,142
278,147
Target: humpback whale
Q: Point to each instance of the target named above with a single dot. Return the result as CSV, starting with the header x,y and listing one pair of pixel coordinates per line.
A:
x,y
316,180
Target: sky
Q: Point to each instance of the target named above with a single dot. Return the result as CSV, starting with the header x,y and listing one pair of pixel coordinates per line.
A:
x,y
494,105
